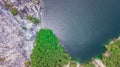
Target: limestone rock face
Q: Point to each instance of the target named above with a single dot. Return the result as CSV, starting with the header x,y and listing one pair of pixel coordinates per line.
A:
x,y
17,34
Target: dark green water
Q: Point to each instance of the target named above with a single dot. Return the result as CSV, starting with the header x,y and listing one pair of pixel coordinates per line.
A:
x,y
83,26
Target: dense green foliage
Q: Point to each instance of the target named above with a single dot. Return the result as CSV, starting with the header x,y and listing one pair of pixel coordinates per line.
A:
x,y
33,19
114,58
48,52
14,11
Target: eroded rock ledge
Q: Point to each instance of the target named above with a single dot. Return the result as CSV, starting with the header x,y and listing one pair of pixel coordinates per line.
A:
x,y
17,33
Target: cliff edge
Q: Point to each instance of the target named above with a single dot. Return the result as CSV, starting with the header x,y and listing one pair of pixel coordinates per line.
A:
x,y
18,29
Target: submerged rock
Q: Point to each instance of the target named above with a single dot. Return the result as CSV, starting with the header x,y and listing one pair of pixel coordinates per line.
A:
x,y
17,34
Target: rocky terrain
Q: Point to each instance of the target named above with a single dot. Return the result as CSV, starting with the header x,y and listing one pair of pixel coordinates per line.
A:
x,y
17,33
19,22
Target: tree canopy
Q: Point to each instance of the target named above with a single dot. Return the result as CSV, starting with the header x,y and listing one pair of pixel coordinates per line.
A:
x,y
47,51
113,60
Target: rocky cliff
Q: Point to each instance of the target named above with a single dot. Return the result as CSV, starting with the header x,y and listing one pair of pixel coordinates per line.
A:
x,y
18,31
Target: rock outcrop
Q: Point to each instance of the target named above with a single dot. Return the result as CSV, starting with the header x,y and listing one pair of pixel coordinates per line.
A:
x,y
98,63
17,33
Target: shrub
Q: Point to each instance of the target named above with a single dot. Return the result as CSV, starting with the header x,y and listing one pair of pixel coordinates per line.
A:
x,y
7,5
24,28
27,63
14,11
33,19
48,52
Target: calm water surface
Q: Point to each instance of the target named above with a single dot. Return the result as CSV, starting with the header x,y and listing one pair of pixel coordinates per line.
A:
x,y
83,26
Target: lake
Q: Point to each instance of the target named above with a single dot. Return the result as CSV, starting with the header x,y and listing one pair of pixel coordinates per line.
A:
x,y
83,26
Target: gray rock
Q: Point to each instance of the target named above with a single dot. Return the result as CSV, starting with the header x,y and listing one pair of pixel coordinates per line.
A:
x,y
16,43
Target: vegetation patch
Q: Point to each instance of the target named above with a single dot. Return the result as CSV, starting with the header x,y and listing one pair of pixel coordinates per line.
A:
x,y
33,19
27,64
24,28
114,51
48,52
7,6
14,11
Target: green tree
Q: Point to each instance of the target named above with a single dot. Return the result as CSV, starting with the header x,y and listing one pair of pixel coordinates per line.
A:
x,y
48,52
114,54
